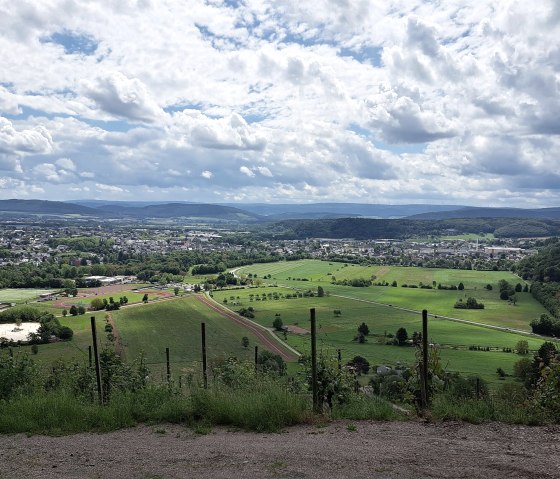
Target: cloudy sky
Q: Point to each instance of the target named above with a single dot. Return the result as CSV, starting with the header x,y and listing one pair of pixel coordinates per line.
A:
x,y
374,101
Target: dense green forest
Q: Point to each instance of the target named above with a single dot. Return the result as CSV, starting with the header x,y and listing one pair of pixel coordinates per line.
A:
x,y
544,270
362,228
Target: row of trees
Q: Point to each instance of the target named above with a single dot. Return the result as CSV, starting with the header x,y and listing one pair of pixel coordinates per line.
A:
x,y
156,267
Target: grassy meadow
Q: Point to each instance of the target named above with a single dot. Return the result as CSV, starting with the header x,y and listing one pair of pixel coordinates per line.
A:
x,y
175,324
19,296
384,319
440,302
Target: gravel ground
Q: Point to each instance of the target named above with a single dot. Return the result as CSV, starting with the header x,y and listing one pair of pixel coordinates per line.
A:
x,y
338,450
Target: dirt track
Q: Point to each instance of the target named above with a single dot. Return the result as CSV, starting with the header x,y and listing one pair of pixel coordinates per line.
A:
x,y
271,344
408,450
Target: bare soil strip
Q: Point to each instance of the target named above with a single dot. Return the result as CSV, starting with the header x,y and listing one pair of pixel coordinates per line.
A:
x,y
262,334
380,450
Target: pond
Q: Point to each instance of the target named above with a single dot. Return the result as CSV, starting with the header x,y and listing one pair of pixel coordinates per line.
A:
x,y
17,333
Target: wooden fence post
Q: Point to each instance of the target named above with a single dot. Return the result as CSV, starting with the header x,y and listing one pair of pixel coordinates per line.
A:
x,y
168,366
96,357
339,356
314,384
204,365
425,389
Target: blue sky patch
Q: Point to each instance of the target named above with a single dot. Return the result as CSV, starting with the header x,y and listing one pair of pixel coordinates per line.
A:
x,y
73,43
366,54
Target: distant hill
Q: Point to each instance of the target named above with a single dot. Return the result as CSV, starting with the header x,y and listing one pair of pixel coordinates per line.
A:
x,y
338,210
181,210
43,207
135,204
473,212
294,215
167,210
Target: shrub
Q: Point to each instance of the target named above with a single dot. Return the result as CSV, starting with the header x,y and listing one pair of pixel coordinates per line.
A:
x,y
97,304
65,333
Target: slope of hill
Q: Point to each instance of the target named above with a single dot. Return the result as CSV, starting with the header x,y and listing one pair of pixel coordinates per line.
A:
x,y
367,228
334,210
179,210
38,207
471,212
124,209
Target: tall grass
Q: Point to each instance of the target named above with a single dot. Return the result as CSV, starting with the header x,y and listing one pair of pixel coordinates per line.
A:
x,y
267,407
61,412
445,407
363,407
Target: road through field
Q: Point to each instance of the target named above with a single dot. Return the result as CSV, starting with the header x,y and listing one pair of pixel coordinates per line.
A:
x,y
265,336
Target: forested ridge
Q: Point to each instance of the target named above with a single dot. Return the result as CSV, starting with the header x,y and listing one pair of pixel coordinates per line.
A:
x,y
543,269
367,228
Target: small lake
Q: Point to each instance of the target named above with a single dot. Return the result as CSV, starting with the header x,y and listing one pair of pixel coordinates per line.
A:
x,y
18,333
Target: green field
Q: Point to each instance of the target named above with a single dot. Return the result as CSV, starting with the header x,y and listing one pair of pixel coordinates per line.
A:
x,y
175,324
337,333
149,329
12,295
440,302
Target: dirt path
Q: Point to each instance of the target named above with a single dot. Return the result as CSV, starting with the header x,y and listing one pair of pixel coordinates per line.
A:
x,y
409,450
264,336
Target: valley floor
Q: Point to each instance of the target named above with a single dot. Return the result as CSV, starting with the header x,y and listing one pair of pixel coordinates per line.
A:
x,y
337,450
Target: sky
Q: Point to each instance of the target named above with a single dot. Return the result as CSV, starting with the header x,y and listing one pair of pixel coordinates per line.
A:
x,y
281,101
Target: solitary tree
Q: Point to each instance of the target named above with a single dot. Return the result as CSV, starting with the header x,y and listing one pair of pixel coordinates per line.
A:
x,y
277,323
145,298
64,312
402,336
360,365
363,329
176,291
461,287
320,291
73,310
245,342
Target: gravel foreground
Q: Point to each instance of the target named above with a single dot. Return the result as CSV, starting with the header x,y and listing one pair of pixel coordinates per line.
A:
x,y
338,450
